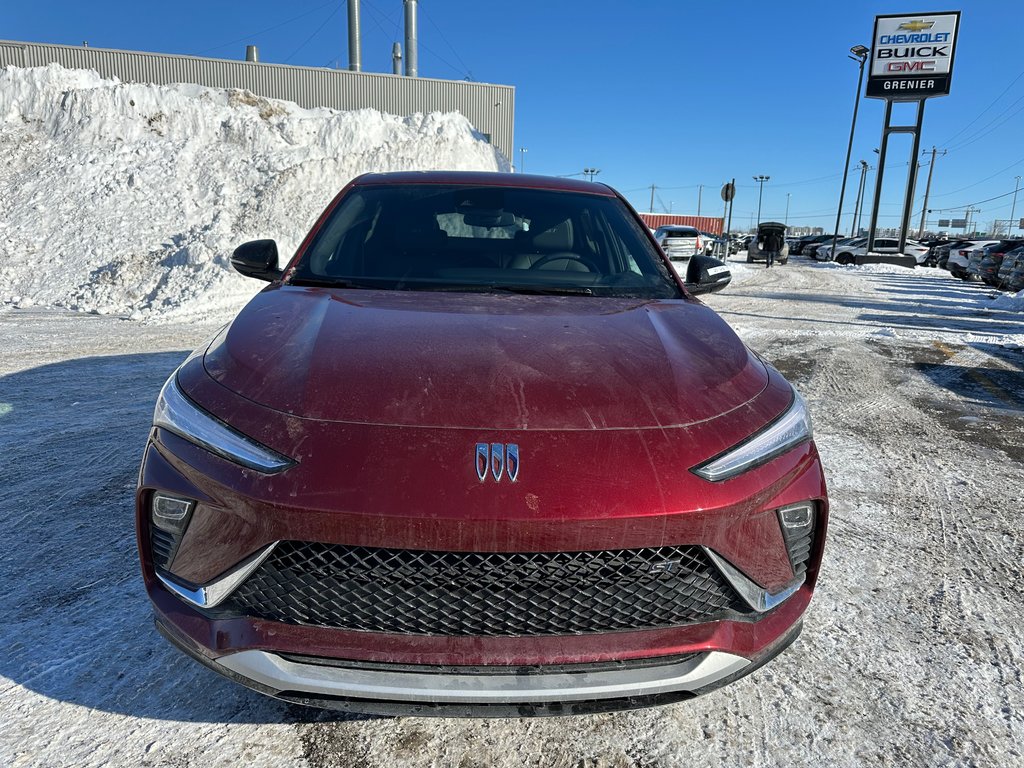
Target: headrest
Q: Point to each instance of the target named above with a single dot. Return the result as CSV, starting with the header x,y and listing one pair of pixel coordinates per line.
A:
x,y
558,238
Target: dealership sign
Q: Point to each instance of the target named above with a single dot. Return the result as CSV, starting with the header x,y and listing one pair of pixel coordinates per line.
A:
x,y
912,56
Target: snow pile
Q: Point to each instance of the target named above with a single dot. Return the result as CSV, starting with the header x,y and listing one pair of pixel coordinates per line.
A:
x,y
129,198
1013,302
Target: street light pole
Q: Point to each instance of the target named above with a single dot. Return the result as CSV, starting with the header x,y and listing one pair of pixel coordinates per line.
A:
x,y
786,220
591,172
522,159
760,180
860,55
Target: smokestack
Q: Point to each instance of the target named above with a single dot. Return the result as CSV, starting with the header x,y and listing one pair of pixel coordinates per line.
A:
x,y
396,59
252,53
355,52
410,39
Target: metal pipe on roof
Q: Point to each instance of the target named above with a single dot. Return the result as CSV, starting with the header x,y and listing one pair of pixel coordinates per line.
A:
x,y
252,53
396,59
410,39
355,51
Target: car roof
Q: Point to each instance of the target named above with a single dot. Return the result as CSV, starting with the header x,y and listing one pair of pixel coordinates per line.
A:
x,y
484,179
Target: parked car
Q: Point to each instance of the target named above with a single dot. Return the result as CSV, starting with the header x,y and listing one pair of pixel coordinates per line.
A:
x,y
805,241
679,242
985,262
884,245
931,258
765,228
1011,261
960,256
1015,277
433,468
824,251
942,252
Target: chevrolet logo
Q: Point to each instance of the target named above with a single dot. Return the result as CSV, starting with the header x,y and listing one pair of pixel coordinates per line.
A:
x,y
916,26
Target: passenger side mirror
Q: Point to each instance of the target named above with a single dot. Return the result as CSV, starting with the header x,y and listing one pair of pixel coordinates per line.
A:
x,y
258,259
706,275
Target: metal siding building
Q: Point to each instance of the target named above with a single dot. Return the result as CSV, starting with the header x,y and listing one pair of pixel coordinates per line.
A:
x,y
490,108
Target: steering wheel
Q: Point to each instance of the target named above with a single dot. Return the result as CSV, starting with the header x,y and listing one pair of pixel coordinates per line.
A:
x,y
591,266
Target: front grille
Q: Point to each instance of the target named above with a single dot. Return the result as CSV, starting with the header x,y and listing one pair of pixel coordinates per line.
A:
x,y
473,593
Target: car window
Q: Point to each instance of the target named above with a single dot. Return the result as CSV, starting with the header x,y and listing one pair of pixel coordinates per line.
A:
x,y
440,237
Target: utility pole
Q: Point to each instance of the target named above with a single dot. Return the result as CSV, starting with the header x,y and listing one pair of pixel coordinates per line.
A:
x,y
651,209
786,220
860,196
928,189
700,193
968,224
1013,208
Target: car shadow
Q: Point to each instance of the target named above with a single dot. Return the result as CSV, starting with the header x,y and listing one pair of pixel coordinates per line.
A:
x,y
77,622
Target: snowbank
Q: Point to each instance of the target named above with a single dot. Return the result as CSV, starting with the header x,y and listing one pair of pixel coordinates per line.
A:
x,y
129,198
1013,302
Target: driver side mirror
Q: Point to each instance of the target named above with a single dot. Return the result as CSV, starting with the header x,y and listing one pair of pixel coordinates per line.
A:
x,y
258,259
706,275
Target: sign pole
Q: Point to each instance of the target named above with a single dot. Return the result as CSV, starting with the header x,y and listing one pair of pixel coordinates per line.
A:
x,y
878,176
908,201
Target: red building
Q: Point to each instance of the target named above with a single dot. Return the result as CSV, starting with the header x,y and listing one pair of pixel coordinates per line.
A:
x,y
704,223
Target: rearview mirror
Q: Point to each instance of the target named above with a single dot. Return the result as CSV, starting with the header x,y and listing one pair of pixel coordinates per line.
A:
x,y
706,275
258,259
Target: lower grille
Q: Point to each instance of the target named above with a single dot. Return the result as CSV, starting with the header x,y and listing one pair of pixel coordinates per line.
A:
x,y
799,542
163,546
474,593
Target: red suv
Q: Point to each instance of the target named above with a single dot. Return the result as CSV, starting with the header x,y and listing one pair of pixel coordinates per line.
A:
x,y
476,449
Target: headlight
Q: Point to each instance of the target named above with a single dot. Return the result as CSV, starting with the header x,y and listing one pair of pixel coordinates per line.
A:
x,y
789,430
176,413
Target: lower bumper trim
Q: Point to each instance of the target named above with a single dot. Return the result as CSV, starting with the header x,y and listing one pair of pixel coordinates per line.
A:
x,y
316,680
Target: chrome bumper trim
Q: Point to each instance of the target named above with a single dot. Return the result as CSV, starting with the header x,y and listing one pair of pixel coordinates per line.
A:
x,y
757,597
282,675
219,589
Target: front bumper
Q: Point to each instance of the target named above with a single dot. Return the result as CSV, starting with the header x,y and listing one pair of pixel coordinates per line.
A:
x,y
513,691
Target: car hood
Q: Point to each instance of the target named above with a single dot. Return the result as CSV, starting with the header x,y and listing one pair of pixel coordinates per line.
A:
x,y
484,361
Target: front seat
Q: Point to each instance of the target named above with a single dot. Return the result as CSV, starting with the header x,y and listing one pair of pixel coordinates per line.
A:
x,y
554,247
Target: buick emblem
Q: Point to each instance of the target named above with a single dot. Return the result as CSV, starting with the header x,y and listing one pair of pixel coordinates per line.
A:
x,y
498,459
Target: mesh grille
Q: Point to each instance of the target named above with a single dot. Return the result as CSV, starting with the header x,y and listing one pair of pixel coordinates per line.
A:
x,y
472,593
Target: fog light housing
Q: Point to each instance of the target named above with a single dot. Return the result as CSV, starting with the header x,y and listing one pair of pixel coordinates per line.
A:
x,y
797,521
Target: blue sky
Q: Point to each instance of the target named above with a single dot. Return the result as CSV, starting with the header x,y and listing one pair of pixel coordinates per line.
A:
x,y
675,94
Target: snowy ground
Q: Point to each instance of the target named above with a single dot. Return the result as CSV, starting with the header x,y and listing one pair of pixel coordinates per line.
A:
x,y
912,649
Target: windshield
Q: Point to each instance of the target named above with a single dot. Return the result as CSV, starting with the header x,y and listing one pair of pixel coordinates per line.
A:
x,y
476,238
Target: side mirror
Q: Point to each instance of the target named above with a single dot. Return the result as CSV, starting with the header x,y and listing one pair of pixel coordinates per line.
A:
x,y
257,259
706,275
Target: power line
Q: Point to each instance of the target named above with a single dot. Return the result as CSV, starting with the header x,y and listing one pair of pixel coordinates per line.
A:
x,y
983,133
976,202
315,33
987,178
948,141
251,35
